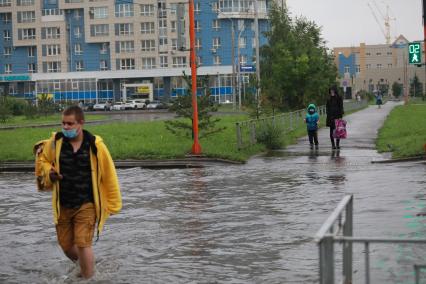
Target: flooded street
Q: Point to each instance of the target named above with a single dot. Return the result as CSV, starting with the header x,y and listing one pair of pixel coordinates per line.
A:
x,y
251,223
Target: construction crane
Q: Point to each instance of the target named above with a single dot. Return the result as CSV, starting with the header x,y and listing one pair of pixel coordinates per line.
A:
x,y
385,17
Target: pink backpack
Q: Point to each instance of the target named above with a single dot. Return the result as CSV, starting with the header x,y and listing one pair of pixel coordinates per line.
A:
x,y
340,130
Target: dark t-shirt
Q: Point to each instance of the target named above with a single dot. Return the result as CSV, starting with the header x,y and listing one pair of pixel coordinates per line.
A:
x,y
76,185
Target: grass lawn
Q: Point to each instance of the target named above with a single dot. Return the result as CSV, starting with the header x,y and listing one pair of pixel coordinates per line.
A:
x,y
404,131
54,118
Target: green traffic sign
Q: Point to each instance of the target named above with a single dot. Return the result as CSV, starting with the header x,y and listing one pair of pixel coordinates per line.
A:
x,y
414,53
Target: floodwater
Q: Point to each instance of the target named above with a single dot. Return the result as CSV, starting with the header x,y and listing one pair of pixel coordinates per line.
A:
x,y
251,223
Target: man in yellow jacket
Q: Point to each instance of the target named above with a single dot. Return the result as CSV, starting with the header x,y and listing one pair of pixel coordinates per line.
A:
x,y
78,167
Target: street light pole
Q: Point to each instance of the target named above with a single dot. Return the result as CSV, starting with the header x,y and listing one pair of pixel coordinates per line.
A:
x,y
256,35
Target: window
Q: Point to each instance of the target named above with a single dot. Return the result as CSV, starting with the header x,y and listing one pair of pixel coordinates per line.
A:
x,y
53,49
104,48
27,33
147,10
6,35
148,45
368,66
124,10
8,68
174,44
173,26
6,18
7,51
197,26
124,29
197,7
74,85
98,13
126,46
164,62
215,7
31,51
99,30
53,67
347,69
216,42
25,2
173,8
147,28
179,61
127,64
367,53
198,43
379,66
79,66
216,24
162,27
199,61
103,65
5,3
77,32
389,53
77,13
32,68
51,33
358,69
243,60
242,42
77,49
216,60
389,65
148,63
26,17
162,41
378,53
56,85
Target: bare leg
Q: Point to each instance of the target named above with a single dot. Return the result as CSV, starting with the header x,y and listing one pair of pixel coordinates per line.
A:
x,y
72,253
87,262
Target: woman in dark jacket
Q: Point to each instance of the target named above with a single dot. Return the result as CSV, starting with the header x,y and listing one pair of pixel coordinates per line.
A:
x,y
334,108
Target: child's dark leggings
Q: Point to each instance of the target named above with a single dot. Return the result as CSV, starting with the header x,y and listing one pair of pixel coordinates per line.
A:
x,y
313,136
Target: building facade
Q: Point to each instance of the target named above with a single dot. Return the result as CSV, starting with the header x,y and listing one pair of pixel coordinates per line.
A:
x,y
91,49
367,67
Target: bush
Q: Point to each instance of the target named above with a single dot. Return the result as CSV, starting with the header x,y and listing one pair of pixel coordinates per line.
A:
x,y
16,106
270,135
5,112
30,111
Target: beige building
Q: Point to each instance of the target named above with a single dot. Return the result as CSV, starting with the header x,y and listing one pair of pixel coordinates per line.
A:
x,y
366,67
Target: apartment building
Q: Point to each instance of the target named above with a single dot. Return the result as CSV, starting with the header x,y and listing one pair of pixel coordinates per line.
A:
x,y
366,67
103,49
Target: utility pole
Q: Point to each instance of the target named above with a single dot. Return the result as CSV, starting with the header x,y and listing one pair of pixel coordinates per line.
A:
x,y
234,100
196,148
256,38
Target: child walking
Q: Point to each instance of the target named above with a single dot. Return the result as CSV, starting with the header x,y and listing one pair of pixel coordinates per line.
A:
x,y
312,120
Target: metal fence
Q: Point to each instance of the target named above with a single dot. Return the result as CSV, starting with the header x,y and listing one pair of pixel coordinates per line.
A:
x,y
247,130
338,228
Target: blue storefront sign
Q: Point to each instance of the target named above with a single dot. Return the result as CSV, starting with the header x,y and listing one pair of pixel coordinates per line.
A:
x,y
12,78
248,68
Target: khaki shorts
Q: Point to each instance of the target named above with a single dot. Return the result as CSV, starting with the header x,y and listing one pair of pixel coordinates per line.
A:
x,y
76,226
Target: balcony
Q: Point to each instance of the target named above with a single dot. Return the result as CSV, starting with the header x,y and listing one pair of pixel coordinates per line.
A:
x,y
241,9
52,15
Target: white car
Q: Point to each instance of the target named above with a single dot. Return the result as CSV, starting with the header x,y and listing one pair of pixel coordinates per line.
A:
x,y
135,104
119,106
101,106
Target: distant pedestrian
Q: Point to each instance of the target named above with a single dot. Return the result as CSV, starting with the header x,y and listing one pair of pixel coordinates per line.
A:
x,y
379,99
312,120
334,110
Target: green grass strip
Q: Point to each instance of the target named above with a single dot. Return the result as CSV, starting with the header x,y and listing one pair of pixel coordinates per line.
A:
x,y
54,118
404,131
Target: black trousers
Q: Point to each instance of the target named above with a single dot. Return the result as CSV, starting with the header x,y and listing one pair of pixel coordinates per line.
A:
x,y
332,127
313,136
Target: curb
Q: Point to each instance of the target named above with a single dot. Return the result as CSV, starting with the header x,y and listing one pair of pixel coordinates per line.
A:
x,y
409,159
201,162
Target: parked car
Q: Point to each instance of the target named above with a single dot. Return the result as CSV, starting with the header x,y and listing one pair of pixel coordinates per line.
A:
x,y
119,106
156,105
135,104
102,106
88,106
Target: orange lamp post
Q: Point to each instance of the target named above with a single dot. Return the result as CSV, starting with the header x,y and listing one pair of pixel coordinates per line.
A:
x,y
196,147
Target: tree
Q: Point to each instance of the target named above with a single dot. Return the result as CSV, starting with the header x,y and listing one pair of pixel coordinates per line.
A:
x,y
416,87
182,105
297,68
396,89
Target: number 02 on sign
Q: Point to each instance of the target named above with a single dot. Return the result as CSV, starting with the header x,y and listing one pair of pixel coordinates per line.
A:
x,y
415,53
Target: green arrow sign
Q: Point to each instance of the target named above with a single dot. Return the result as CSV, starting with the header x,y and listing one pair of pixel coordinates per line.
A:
x,y
414,53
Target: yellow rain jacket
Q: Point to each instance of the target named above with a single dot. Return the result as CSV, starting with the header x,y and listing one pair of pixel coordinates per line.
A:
x,y
106,190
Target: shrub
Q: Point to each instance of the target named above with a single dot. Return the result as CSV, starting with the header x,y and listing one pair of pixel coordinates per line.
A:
x,y
5,112
270,135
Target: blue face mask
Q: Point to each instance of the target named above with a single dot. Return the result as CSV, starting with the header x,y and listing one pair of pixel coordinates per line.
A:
x,y
72,133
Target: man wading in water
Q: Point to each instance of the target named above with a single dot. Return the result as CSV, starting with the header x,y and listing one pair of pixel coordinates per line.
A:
x,y
85,187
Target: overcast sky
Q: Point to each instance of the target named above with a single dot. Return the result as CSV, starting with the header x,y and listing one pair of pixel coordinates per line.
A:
x,y
350,22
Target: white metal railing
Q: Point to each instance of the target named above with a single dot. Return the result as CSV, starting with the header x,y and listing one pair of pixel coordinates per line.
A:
x,y
51,12
338,228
